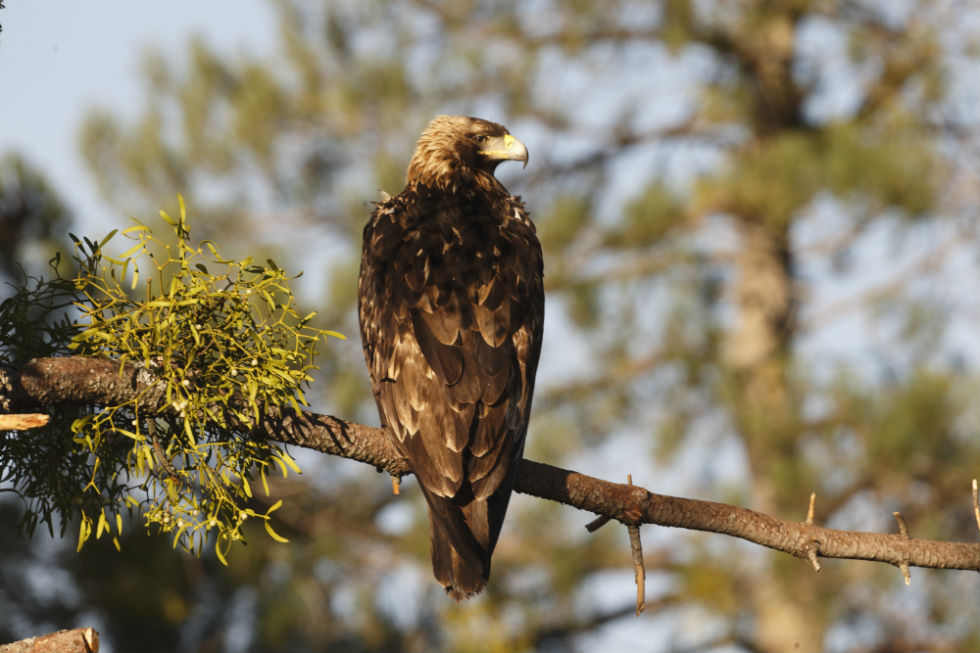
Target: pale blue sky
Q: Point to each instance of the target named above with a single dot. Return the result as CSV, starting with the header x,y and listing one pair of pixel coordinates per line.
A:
x,y
58,59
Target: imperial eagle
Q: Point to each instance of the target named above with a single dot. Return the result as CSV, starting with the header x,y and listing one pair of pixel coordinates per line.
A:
x,y
451,308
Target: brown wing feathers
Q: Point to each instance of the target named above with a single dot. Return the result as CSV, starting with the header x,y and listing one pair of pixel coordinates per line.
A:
x,y
451,309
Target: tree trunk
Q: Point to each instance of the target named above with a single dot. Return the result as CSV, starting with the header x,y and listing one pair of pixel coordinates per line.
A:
x,y
786,618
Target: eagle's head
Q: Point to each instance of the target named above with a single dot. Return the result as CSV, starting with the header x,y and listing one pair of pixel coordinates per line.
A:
x,y
457,152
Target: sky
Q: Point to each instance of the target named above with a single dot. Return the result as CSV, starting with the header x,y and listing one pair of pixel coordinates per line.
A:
x,y
59,59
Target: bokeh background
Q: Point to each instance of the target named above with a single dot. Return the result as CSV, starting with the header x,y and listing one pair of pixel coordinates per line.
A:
x,y
760,223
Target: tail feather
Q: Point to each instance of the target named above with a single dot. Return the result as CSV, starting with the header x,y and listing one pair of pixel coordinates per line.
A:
x,y
463,530
462,575
461,543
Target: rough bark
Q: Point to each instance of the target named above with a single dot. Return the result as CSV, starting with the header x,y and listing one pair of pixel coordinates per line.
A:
x,y
78,640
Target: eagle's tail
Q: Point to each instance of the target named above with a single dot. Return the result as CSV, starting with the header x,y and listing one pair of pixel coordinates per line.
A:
x,y
463,573
463,534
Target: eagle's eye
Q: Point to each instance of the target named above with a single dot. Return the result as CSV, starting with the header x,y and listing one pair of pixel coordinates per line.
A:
x,y
481,138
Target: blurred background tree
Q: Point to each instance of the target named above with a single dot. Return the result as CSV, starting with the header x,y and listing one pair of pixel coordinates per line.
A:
x,y
34,220
759,222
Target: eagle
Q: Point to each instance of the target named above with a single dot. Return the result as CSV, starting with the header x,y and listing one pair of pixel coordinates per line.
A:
x,y
451,309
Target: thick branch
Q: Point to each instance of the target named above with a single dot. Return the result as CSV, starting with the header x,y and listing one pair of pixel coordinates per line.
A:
x,y
53,381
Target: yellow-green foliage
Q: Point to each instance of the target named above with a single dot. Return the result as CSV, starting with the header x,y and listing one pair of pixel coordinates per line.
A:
x,y
225,339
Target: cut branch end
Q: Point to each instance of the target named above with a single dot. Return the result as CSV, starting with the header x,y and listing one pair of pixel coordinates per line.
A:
x,y
23,422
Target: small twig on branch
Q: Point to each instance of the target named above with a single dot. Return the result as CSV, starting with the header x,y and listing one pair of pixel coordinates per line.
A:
x,y
976,503
76,380
639,571
811,553
903,564
813,547
902,528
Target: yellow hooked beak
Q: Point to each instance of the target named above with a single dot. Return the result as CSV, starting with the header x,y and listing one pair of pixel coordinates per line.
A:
x,y
505,148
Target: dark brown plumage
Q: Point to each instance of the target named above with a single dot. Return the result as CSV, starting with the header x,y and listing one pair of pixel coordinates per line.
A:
x,y
451,307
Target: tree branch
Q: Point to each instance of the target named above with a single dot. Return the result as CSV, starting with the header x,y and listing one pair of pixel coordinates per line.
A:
x,y
78,640
46,382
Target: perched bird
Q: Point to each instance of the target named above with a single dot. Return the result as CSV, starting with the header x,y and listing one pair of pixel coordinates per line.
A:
x,y
451,307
